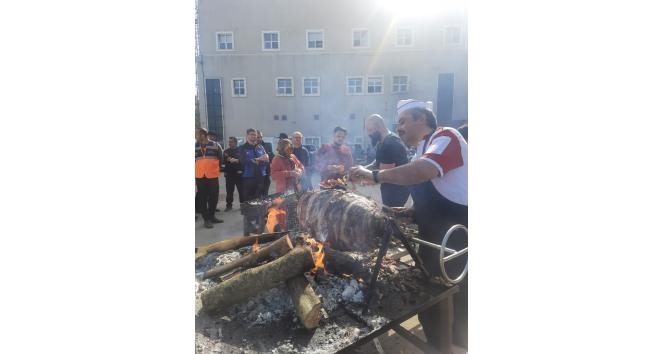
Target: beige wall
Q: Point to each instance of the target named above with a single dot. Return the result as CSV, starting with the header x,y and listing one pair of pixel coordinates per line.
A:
x,y
246,19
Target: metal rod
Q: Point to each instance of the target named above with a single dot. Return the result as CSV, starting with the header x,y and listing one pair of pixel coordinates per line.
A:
x,y
432,245
456,254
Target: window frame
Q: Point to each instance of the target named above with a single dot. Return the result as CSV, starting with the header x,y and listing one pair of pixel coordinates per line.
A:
x,y
306,38
382,84
276,86
313,137
233,86
452,44
407,84
396,37
318,86
348,93
216,36
352,38
263,41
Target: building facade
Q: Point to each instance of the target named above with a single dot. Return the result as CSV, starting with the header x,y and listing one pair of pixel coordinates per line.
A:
x,y
311,65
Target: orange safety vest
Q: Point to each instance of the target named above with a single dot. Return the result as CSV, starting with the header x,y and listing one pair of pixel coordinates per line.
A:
x,y
207,160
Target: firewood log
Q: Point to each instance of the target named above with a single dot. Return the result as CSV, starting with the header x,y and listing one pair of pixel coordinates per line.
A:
x,y
307,303
337,262
236,242
252,281
274,250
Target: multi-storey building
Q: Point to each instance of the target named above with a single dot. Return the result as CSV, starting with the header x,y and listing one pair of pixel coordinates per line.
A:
x,y
311,65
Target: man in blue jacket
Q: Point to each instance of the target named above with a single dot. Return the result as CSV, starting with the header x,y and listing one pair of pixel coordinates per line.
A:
x,y
254,161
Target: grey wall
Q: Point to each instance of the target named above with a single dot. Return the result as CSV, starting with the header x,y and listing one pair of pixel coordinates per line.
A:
x,y
422,62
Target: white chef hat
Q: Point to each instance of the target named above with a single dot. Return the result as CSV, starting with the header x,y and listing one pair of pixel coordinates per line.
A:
x,y
404,105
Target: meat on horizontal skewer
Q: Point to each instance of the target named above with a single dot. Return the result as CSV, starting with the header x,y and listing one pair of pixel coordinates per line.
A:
x,y
344,220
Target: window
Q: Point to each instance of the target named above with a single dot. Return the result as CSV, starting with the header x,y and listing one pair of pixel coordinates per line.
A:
x,y
453,35
225,41
284,86
284,117
310,86
351,116
276,117
316,116
360,38
354,86
399,84
312,140
239,87
315,39
375,84
404,37
270,40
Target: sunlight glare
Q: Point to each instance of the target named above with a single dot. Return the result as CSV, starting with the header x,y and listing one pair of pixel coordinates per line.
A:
x,y
405,9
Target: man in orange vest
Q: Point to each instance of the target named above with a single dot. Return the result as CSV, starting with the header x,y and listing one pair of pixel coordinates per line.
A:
x,y
208,159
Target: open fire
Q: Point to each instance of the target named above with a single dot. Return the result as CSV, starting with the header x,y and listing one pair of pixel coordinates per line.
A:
x,y
318,253
300,277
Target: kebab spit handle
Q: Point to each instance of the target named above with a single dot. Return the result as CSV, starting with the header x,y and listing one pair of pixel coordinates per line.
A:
x,y
453,254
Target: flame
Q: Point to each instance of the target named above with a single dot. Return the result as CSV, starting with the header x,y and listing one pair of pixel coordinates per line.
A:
x,y
317,252
276,220
255,247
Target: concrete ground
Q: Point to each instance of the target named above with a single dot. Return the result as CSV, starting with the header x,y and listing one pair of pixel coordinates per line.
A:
x,y
390,342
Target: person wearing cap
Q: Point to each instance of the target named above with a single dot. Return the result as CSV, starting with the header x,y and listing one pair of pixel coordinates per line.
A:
x,y
208,156
390,153
438,180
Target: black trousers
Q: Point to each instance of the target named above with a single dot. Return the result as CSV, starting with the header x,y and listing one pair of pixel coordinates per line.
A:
x,y
266,185
233,181
207,196
252,187
432,318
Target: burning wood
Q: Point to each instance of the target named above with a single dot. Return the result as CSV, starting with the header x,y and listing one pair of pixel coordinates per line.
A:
x,y
236,242
345,220
253,281
274,250
317,251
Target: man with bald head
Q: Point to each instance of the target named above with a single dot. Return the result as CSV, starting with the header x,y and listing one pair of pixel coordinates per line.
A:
x,y
390,152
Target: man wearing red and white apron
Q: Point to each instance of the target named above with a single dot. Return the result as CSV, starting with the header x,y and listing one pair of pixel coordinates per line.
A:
x,y
438,181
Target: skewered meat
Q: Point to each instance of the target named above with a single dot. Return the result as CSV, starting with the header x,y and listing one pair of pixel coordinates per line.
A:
x,y
333,183
344,220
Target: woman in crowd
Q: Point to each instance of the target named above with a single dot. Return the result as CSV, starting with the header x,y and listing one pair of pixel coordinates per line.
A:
x,y
285,168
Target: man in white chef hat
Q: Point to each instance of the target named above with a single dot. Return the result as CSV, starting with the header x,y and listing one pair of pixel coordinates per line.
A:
x,y
438,181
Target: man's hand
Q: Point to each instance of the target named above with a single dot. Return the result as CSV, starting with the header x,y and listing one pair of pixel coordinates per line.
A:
x,y
360,173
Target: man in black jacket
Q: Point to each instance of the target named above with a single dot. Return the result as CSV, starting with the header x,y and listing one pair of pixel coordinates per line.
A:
x,y
232,172
390,152
270,153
